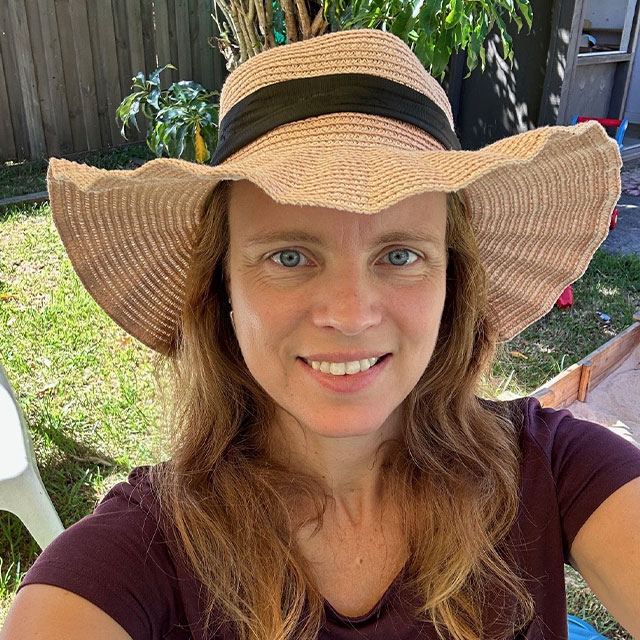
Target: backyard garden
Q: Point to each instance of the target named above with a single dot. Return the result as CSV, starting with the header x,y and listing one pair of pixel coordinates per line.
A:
x,y
92,395
87,388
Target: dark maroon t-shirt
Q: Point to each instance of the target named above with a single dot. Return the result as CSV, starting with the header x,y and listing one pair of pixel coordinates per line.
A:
x,y
119,559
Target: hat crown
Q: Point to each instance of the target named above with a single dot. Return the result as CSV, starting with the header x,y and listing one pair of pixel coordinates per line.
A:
x,y
364,51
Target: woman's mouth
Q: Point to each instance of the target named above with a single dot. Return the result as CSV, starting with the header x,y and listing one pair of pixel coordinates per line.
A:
x,y
349,368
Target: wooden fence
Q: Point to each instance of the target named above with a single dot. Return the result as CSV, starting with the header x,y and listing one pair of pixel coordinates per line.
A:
x,y
65,65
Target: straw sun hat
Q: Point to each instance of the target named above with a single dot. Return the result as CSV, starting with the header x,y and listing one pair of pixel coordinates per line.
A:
x,y
349,120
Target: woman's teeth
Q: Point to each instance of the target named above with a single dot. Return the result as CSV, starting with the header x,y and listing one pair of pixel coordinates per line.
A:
x,y
342,368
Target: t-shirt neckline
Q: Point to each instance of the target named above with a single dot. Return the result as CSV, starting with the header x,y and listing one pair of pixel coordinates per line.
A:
x,y
374,611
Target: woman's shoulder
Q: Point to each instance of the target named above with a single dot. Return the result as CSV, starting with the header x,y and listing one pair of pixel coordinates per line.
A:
x,y
557,433
119,558
571,462
137,491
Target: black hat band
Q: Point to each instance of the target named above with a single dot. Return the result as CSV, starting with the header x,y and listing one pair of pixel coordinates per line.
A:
x,y
301,98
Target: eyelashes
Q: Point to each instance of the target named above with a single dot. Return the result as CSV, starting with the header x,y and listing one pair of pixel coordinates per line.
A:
x,y
405,256
290,258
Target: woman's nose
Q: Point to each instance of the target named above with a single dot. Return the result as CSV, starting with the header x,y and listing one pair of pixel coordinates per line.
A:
x,y
349,301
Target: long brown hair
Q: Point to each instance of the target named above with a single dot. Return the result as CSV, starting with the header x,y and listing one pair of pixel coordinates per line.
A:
x,y
454,476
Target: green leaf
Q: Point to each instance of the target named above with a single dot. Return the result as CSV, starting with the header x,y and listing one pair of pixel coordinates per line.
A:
x,y
424,51
455,15
428,16
526,11
403,23
138,80
182,133
441,54
507,42
473,51
154,78
154,96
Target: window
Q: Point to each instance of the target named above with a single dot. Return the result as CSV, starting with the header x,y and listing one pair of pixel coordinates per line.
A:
x,y
606,26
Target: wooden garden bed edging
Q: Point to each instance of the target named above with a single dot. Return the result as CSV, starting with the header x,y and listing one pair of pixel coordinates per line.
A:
x,y
30,198
574,382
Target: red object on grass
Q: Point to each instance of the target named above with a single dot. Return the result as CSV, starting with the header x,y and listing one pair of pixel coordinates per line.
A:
x,y
614,219
566,298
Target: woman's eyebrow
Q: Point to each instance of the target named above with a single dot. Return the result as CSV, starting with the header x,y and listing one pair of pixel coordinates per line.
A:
x,y
303,236
282,236
399,237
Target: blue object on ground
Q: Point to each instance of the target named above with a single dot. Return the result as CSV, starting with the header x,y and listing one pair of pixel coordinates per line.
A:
x,y
580,630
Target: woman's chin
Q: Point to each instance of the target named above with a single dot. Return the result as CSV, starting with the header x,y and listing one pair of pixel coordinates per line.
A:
x,y
341,423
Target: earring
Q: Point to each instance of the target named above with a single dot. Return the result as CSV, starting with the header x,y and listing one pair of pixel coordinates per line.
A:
x,y
232,322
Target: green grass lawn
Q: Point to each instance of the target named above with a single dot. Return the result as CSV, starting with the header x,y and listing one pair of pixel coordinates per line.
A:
x,y
86,388
610,286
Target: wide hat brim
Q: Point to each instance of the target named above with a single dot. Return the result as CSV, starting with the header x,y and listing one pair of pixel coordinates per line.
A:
x,y
540,204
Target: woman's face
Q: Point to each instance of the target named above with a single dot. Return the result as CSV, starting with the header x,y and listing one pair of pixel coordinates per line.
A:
x,y
317,292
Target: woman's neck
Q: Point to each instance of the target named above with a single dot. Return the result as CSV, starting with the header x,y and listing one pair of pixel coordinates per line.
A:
x,y
349,468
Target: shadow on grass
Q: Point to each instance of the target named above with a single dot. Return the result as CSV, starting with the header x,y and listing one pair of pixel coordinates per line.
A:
x,y
70,479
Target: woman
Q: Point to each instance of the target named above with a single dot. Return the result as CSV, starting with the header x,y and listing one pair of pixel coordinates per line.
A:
x,y
333,474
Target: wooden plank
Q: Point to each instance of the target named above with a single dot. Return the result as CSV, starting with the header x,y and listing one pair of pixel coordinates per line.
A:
x,y
163,50
602,57
24,60
564,386
574,382
609,356
136,44
7,143
106,71
84,54
203,56
564,116
148,36
197,53
591,93
545,397
183,42
60,42
136,52
43,77
12,79
619,102
194,36
173,41
585,378
628,21
220,71
123,54
100,89
30,198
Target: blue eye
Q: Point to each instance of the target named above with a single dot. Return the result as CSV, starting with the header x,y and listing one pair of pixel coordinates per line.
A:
x,y
288,258
401,257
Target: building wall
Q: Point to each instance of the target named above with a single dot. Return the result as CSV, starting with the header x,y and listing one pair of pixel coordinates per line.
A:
x,y
505,99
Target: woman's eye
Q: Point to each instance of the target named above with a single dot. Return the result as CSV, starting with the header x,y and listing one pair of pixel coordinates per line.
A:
x,y
289,258
401,257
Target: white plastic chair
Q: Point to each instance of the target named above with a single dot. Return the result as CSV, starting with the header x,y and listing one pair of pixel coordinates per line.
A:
x,y
21,489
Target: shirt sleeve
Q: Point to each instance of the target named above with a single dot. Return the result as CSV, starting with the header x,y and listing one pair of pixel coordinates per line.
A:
x,y
588,463
118,559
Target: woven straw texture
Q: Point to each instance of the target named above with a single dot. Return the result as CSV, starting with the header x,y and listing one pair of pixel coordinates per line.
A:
x,y
540,202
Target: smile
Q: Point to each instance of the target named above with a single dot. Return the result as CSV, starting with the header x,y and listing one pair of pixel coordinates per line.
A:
x,y
343,368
